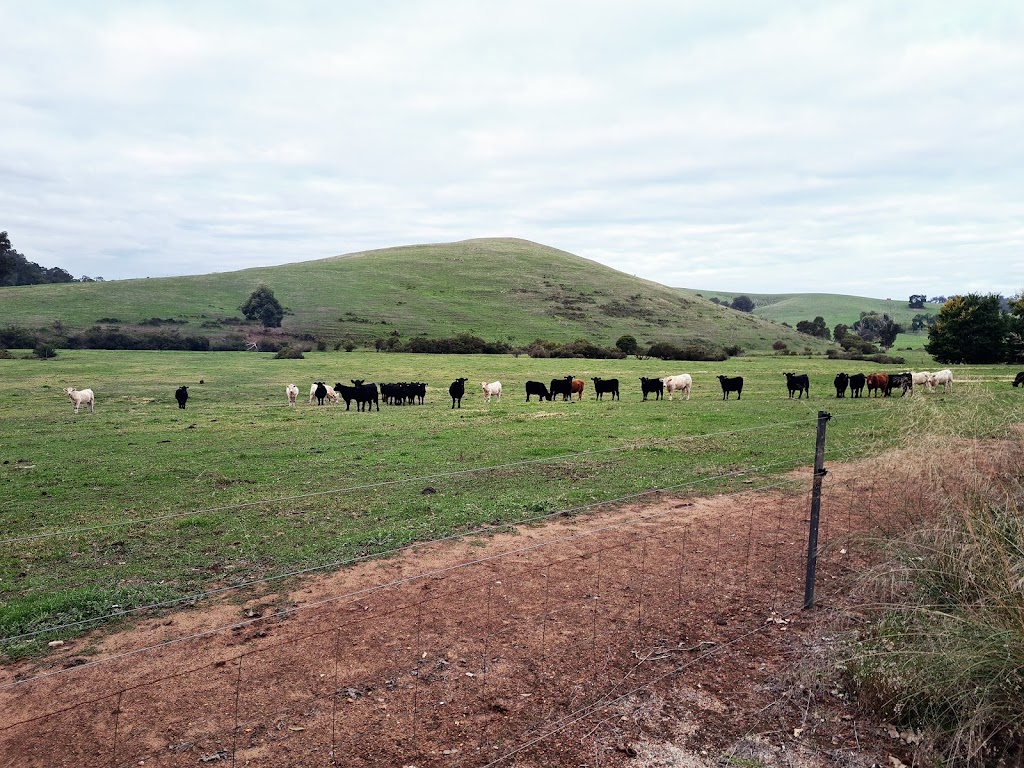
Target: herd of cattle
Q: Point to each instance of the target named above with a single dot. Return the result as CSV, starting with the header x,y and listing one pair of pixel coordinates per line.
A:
x,y
368,395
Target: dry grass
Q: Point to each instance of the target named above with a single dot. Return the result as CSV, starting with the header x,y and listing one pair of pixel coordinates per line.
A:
x,y
944,646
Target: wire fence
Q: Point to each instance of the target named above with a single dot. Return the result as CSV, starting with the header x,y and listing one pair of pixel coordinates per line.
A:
x,y
519,655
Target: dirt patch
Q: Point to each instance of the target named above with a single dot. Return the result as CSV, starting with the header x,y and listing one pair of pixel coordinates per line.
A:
x,y
663,634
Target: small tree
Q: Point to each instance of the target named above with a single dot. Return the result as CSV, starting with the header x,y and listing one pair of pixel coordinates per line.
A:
x,y
261,305
917,301
44,351
743,303
627,344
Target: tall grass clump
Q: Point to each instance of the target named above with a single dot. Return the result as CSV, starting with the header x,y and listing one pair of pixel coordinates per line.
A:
x,y
944,651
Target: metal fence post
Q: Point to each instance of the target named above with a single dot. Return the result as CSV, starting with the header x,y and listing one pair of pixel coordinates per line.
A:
x,y
812,537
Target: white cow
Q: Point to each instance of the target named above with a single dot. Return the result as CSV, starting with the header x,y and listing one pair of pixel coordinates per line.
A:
x,y
683,382
292,392
81,397
494,388
943,377
331,395
917,379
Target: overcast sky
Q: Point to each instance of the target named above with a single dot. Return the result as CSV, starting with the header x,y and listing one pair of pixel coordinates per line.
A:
x,y
861,147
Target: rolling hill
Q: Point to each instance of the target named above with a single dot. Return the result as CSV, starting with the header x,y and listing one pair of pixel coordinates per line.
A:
x,y
834,307
498,289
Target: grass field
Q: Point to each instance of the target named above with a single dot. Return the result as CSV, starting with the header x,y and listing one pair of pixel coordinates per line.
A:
x,y
142,503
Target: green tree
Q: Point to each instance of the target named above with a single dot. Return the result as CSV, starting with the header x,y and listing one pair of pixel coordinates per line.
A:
x,y
814,327
875,327
261,305
627,344
917,301
969,329
1015,323
743,303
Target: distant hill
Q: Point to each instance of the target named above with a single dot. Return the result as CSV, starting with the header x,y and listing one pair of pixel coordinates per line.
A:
x,y
834,307
498,289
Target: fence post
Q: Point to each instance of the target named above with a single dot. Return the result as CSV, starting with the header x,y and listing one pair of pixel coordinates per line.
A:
x,y
812,537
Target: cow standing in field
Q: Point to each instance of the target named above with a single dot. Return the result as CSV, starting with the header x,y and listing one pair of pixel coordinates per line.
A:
x,y
798,383
491,390
318,391
1018,380
877,383
681,383
292,393
606,385
647,386
943,377
457,390
181,395
731,384
842,381
561,387
576,389
81,397
857,385
903,381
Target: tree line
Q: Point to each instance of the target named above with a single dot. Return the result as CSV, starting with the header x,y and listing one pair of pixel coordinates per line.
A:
x,y
16,269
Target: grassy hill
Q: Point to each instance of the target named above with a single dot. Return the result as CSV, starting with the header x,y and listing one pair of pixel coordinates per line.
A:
x,y
834,307
498,289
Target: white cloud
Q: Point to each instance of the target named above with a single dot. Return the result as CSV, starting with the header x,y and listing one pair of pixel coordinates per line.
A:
x,y
855,146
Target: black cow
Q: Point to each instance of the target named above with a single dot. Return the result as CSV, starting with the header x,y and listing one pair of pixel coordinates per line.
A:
x,y
457,390
606,385
365,395
903,381
320,392
841,383
731,384
798,383
537,388
1019,380
657,386
181,395
857,385
561,387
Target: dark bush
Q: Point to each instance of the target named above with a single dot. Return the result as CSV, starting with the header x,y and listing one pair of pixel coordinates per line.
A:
x,y
289,353
44,351
780,345
734,350
702,352
463,344
15,337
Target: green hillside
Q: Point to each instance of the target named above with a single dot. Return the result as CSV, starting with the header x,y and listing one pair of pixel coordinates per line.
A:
x,y
834,307
498,289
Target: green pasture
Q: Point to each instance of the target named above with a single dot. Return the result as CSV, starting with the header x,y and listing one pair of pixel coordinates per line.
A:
x,y
834,307
142,503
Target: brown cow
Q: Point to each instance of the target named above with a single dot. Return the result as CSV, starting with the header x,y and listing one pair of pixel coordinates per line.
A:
x,y
878,382
577,389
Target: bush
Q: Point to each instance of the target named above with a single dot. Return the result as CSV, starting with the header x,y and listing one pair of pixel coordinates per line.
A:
x,y
44,351
5,355
734,350
289,353
779,345
15,337
702,352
